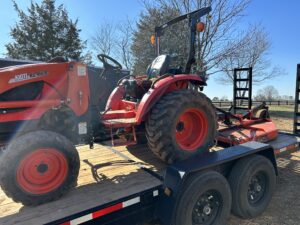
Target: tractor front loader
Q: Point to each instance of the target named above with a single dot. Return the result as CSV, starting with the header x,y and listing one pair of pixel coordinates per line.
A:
x,y
45,110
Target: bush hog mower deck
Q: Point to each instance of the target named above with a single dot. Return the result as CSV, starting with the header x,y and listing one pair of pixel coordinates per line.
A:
x,y
254,125
242,122
49,107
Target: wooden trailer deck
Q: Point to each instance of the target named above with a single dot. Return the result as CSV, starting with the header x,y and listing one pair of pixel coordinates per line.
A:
x,y
114,178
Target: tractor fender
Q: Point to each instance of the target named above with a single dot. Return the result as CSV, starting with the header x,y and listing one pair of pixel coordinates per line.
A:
x,y
161,87
115,97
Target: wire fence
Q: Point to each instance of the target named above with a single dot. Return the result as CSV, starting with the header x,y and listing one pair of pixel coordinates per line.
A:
x,y
221,104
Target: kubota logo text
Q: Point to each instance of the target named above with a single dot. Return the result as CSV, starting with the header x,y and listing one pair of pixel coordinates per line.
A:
x,y
27,76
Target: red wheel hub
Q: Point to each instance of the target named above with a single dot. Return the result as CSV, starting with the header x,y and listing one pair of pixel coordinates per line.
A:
x,y
191,129
42,171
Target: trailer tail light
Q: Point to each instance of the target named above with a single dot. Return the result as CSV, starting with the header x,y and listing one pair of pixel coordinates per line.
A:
x,y
168,192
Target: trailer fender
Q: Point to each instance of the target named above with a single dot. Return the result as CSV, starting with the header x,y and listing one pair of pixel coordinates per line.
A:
x,y
162,87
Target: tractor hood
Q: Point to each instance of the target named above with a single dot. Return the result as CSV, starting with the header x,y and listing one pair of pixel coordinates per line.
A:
x,y
13,76
8,68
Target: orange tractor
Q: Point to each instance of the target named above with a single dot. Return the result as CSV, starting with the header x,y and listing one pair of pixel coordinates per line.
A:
x,y
48,108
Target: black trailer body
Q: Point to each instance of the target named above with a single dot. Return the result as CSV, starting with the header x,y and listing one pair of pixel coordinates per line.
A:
x,y
160,202
148,196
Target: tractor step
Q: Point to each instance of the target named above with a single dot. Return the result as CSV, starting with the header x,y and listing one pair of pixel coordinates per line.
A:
x,y
117,114
119,123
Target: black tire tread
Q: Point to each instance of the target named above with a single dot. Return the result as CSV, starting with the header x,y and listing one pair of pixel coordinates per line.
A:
x,y
198,182
14,152
158,123
238,174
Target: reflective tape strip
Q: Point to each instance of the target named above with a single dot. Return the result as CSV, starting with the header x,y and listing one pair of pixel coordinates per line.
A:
x,y
103,212
287,148
283,149
81,219
155,193
131,202
107,210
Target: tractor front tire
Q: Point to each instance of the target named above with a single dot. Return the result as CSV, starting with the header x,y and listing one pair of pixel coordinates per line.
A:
x,y
38,167
181,124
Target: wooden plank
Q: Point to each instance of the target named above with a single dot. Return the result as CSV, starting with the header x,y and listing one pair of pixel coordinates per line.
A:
x,y
117,180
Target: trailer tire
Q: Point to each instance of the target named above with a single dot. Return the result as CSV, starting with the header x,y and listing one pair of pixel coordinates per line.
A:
x,y
38,167
181,124
252,182
205,199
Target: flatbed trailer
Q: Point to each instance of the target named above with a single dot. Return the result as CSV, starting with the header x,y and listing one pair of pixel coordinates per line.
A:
x,y
130,185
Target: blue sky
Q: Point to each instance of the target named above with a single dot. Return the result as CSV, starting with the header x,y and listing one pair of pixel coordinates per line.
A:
x,y
280,18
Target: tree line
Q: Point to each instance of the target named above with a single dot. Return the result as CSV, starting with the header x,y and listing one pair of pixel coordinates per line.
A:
x,y
268,93
45,31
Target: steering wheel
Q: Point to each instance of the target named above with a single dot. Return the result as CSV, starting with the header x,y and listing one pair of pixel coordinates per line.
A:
x,y
109,62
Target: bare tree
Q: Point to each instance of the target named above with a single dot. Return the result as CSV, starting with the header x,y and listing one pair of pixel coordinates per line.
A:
x,y
103,40
124,43
249,48
224,98
268,93
115,40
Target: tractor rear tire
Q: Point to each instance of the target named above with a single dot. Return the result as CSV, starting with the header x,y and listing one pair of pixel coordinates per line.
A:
x,y
38,167
181,124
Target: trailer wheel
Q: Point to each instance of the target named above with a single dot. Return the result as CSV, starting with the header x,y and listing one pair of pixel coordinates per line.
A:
x,y
205,200
181,124
38,167
252,182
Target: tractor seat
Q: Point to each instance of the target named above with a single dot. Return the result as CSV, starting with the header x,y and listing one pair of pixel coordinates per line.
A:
x,y
159,66
58,59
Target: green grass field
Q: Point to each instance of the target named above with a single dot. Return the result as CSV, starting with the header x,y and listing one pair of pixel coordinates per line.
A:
x,y
283,116
284,111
